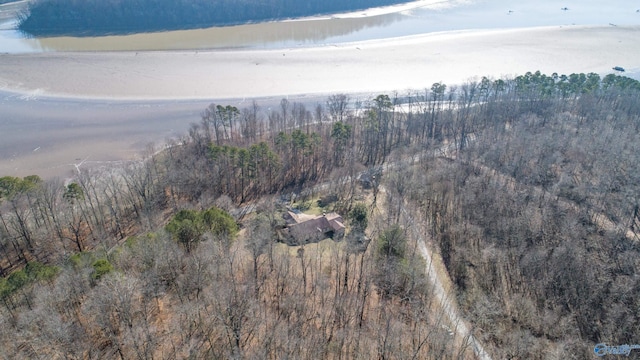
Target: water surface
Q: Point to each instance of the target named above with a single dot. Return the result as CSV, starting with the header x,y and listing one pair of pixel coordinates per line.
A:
x,y
431,16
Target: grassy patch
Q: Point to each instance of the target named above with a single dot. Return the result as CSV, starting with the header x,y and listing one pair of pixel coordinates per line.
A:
x,y
311,206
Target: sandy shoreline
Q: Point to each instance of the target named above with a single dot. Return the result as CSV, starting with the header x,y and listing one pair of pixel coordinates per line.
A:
x,y
383,65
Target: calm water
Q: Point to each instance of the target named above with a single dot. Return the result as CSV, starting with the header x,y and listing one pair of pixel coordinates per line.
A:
x,y
449,15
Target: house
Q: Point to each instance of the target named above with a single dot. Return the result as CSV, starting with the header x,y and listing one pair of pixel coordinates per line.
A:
x,y
304,229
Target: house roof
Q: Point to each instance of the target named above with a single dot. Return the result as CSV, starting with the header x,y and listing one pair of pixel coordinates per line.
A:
x,y
291,218
316,225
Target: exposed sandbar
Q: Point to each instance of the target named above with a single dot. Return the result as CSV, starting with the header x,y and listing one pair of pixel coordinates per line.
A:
x,y
382,65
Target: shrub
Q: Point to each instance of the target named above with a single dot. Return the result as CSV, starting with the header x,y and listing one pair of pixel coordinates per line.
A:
x,y
101,267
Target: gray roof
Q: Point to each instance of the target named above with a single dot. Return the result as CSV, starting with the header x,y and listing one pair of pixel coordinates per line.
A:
x,y
318,225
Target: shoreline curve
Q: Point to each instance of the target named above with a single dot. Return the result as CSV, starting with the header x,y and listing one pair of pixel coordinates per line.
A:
x,y
396,64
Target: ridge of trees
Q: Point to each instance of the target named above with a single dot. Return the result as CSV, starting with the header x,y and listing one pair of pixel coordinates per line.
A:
x,y
514,181
94,17
301,147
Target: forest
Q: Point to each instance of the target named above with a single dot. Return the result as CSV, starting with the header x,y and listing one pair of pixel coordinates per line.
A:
x,y
526,188
111,17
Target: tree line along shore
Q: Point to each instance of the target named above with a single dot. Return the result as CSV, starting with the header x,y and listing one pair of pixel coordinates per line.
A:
x,y
528,189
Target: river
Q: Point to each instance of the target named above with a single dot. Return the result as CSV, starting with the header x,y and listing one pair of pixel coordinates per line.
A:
x,y
425,16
